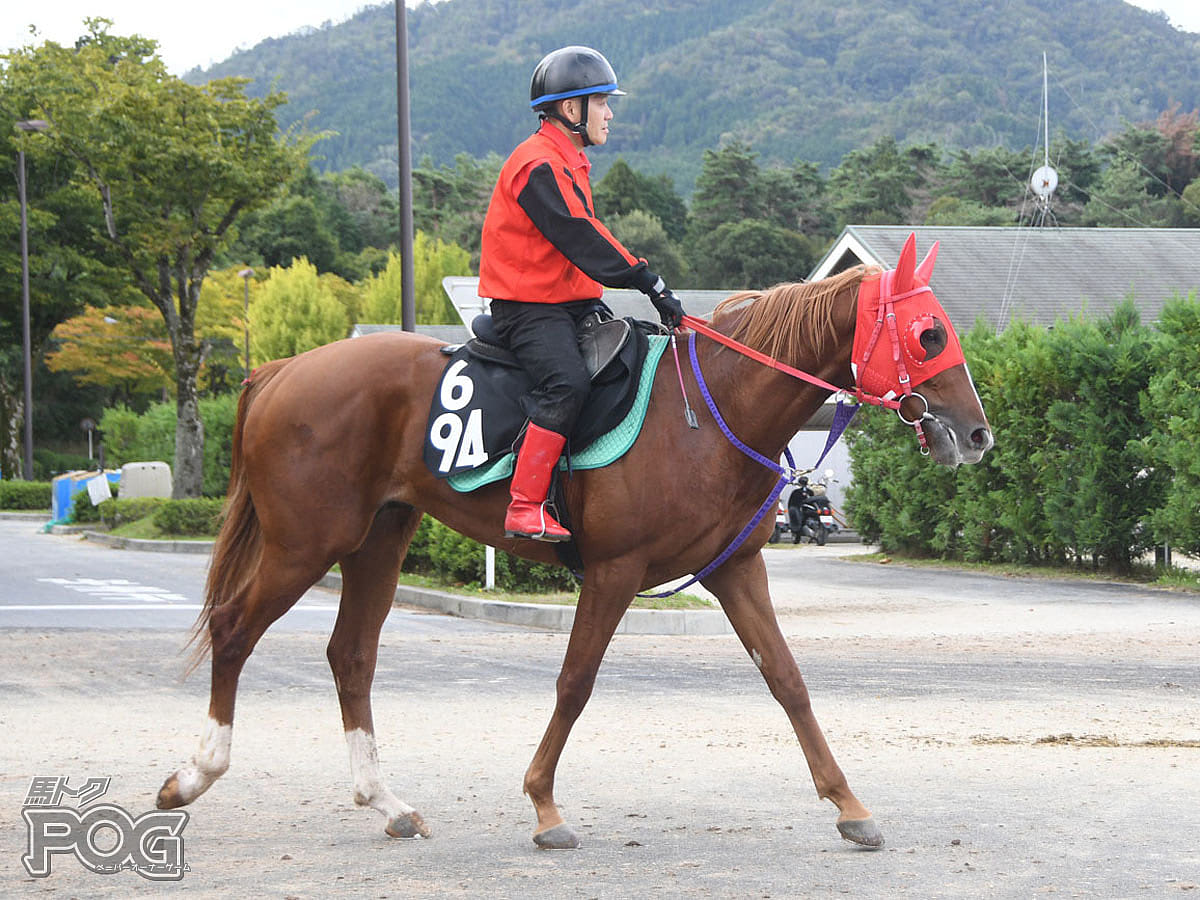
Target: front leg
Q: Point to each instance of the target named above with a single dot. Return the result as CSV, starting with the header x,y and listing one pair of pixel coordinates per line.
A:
x,y
741,586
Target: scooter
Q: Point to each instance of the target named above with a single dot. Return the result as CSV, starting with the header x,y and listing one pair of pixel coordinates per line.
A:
x,y
809,512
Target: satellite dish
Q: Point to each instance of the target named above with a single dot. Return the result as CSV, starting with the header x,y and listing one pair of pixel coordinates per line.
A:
x,y
1044,181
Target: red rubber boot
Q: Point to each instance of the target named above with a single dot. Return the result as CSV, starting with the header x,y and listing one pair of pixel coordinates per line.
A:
x,y
527,516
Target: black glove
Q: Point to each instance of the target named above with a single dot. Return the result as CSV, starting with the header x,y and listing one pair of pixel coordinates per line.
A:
x,y
670,310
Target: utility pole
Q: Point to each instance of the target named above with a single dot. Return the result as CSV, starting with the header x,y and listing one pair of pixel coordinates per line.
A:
x,y
408,316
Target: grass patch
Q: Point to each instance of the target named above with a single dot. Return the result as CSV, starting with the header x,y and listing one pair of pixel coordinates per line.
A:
x,y
560,598
146,530
1146,574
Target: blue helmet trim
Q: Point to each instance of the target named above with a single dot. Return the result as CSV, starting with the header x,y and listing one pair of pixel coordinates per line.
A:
x,y
610,88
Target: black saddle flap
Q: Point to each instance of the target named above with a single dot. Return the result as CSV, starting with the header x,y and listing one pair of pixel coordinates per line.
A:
x,y
475,415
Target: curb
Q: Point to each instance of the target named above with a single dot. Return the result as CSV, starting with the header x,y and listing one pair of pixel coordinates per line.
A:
x,y
543,616
19,515
124,543
552,616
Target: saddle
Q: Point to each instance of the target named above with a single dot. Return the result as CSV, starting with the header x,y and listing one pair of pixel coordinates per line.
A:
x,y
600,340
475,415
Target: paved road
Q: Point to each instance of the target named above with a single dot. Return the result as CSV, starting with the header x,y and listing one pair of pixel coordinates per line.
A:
x,y
1014,737
63,581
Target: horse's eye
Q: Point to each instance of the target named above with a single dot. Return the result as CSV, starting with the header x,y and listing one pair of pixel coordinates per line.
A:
x,y
933,340
925,338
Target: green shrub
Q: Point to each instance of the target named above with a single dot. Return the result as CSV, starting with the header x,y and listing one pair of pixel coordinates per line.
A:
x,y
439,552
117,512
25,495
129,437
1076,476
82,510
48,463
198,517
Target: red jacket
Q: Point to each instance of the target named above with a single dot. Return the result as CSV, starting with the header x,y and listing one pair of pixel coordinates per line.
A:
x,y
542,242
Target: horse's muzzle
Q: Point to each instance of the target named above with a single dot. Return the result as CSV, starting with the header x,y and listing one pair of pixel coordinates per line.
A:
x,y
952,443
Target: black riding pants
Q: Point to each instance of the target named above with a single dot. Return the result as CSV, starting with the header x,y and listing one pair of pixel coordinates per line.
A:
x,y
543,337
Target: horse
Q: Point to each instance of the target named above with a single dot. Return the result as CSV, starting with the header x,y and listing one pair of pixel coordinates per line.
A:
x,y
327,468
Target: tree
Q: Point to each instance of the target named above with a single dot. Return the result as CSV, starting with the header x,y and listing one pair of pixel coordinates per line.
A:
x,y
449,203
171,167
727,189
124,347
992,177
433,260
66,273
1097,453
1171,446
876,186
795,198
622,191
293,312
644,236
750,254
1121,199
953,211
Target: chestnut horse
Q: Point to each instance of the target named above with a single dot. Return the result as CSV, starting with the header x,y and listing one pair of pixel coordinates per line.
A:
x,y
327,468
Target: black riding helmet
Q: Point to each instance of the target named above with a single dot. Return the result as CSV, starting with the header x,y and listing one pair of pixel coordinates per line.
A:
x,y
571,72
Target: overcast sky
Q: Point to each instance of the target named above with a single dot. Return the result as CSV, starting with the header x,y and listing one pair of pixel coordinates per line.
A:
x,y
198,35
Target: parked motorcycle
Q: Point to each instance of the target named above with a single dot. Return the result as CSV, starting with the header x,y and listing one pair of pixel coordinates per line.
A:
x,y
809,512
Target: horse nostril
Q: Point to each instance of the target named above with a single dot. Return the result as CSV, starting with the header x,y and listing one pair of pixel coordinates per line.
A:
x,y
980,437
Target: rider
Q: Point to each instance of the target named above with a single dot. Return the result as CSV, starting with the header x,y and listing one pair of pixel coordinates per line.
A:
x,y
545,257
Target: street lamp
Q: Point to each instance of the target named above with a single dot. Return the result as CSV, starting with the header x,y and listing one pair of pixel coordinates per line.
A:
x,y
246,274
26,125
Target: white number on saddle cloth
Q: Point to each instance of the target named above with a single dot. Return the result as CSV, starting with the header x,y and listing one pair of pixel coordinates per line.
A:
x,y
461,445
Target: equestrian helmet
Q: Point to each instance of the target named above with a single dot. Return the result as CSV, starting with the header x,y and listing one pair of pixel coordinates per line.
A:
x,y
571,72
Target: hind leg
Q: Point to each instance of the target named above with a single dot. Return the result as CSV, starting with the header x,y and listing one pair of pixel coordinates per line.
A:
x,y
235,627
368,586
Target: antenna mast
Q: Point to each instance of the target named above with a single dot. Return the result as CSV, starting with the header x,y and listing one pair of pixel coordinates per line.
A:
x,y
1045,179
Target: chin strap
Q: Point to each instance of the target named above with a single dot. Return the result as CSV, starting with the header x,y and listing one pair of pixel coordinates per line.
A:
x,y
580,127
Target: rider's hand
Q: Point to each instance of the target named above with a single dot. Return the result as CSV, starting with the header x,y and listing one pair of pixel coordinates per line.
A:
x,y
670,310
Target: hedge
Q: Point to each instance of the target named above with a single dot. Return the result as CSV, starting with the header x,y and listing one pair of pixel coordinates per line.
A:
x,y
25,495
439,552
197,517
1096,425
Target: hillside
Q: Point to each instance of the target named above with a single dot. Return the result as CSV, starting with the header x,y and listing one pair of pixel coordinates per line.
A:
x,y
796,79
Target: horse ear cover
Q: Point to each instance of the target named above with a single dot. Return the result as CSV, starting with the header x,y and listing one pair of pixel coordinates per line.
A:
x,y
925,269
903,279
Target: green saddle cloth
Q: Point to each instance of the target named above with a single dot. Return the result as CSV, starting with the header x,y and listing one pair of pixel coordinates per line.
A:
x,y
603,451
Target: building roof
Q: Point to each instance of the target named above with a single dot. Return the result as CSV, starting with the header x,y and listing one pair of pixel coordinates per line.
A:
x,y
463,293
1039,275
451,334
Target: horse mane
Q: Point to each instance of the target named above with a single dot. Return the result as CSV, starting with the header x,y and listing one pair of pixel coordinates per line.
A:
x,y
782,320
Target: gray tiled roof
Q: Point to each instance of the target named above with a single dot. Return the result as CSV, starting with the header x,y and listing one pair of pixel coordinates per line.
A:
x,y
1036,274
451,334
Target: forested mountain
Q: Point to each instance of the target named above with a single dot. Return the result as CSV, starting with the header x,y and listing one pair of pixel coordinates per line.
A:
x,y
795,79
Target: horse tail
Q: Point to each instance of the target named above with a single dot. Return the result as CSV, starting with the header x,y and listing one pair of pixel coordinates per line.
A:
x,y
238,546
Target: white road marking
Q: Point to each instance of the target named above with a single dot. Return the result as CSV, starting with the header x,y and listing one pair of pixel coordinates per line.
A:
x,y
116,589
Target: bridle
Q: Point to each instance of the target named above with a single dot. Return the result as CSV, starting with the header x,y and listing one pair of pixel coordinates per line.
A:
x,y
878,379
886,317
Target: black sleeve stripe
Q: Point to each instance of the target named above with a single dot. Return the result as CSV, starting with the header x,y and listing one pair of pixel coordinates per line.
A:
x,y
574,236
579,193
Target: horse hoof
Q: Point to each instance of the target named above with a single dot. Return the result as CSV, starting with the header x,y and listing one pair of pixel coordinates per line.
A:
x,y
407,826
560,837
169,795
863,832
